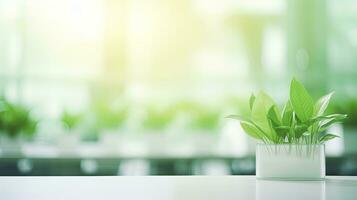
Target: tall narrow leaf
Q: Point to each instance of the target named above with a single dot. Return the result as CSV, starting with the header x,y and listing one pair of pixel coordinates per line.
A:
x,y
273,115
301,101
287,114
322,104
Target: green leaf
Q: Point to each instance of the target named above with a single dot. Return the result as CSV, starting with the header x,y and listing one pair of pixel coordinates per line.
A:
x,y
245,121
275,119
274,135
281,131
287,114
251,130
327,117
273,115
335,118
300,130
321,104
327,137
251,101
301,101
285,128
260,109
292,127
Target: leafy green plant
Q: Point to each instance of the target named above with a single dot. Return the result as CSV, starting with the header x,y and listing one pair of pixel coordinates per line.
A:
x,y
109,117
70,121
158,119
301,121
206,120
16,120
201,117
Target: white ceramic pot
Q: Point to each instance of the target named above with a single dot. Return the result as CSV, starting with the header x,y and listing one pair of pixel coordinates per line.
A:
x,y
291,162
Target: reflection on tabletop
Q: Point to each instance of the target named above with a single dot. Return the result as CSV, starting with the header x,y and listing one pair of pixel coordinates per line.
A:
x,y
175,188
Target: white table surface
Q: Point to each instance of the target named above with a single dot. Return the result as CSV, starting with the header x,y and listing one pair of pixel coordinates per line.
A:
x,y
174,188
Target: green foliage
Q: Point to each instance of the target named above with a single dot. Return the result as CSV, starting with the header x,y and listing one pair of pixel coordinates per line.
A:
x,y
300,122
261,107
158,119
16,120
110,117
347,105
251,129
327,137
70,121
301,101
206,120
202,117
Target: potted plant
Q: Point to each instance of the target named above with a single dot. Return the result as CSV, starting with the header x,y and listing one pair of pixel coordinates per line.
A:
x,y
292,140
16,124
71,121
156,126
71,137
110,122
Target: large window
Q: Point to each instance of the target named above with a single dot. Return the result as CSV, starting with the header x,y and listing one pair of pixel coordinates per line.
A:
x,y
167,71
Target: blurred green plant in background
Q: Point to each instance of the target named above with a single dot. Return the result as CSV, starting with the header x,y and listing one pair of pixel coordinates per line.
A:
x,y
16,120
108,116
201,117
348,106
206,120
71,121
158,119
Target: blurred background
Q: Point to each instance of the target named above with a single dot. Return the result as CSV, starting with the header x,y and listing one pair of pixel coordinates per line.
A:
x,y
141,87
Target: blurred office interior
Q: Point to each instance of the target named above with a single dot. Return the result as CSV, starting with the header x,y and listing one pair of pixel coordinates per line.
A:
x,y
141,87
